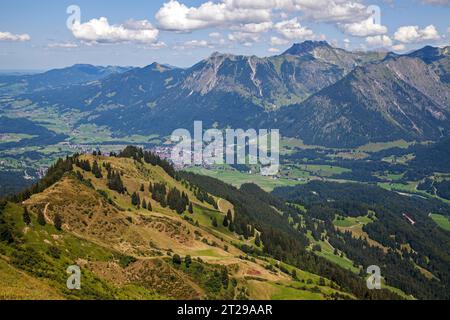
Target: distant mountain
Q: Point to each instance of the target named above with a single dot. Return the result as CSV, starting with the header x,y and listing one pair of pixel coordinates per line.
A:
x,y
76,74
322,51
223,89
402,97
313,91
438,58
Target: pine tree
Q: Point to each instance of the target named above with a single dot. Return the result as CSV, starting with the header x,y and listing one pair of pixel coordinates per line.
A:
x,y
231,227
163,202
294,274
188,261
96,170
142,188
214,222
144,204
191,209
115,182
225,222
176,259
26,216
149,206
57,221
258,240
41,219
135,199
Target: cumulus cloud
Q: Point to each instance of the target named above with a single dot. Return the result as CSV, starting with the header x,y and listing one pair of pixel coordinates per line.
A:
x,y
339,11
379,41
8,36
275,41
245,38
273,50
364,28
413,34
176,16
100,31
293,30
255,27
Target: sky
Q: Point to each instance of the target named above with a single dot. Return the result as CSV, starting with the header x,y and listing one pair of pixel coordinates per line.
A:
x,y
46,34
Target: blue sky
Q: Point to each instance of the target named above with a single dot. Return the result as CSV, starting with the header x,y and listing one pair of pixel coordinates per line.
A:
x,y
34,35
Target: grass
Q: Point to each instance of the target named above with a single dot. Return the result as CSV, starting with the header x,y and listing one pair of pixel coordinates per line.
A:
x,y
31,272
14,137
325,171
205,217
380,146
442,221
344,262
348,222
327,252
17,285
237,178
289,293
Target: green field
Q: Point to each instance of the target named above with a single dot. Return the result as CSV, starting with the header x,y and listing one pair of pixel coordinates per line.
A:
x,y
237,178
344,262
327,252
380,146
348,222
324,171
14,137
442,221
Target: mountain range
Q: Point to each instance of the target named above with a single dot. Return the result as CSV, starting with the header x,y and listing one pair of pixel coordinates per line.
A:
x,y
313,91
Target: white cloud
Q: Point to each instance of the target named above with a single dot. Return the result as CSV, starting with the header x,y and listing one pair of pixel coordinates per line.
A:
x,y
273,50
215,35
364,28
275,41
339,11
157,45
176,16
293,30
194,44
100,31
63,45
8,36
413,34
255,27
245,38
379,41
448,30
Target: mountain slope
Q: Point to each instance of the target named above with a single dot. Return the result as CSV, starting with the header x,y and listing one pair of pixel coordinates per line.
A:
x,y
129,251
399,98
223,90
313,91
